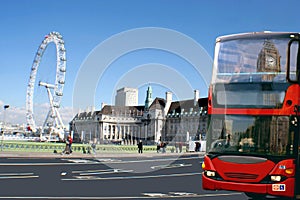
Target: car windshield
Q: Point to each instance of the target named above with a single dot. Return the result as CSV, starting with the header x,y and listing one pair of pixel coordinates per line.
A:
x,y
253,60
259,135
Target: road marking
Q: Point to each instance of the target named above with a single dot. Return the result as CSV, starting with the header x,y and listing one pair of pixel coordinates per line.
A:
x,y
188,194
40,164
182,193
171,166
108,160
154,194
156,160
171,194
134,177
111,171
118,197
80,161
95,162
103,171
63,173
91,170
17,175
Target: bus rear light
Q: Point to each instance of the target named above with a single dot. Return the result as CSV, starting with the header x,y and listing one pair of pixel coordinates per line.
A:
x,y
276,178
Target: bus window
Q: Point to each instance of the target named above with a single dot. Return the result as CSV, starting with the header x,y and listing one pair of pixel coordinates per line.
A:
x,y
293,55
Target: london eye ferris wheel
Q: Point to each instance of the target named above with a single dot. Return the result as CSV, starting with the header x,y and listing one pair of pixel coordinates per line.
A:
x,y
53,121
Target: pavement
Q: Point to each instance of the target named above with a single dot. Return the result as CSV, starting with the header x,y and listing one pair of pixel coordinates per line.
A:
x,y
17,154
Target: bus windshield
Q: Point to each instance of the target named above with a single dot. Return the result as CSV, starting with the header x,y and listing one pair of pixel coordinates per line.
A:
x,y
259,135
253,60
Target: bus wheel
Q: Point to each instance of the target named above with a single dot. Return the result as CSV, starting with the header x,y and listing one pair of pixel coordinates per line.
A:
x,y
255,196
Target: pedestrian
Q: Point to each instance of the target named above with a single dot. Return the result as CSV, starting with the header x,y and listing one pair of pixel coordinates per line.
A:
x,y
67,148
69,143
158,147
164,146
198,146
180,147
140,146
177,147
94,146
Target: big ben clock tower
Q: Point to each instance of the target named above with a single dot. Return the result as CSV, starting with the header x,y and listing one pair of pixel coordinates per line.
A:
x,y
268,60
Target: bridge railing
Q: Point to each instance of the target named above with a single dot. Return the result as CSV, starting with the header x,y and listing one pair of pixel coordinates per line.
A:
x,y
76,147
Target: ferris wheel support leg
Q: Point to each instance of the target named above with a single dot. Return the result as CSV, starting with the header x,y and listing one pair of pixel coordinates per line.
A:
x,y
56,115
60,122
45,122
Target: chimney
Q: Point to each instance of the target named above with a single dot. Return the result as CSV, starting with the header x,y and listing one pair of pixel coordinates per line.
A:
x,y
169,96
196,97
168,102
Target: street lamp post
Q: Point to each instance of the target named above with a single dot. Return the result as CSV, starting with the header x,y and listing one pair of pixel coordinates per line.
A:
x,y
4,125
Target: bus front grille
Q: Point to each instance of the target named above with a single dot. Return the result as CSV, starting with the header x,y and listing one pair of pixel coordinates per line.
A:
x,y
241,175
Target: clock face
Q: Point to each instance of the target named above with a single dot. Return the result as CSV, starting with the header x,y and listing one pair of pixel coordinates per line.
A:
x,y
270,61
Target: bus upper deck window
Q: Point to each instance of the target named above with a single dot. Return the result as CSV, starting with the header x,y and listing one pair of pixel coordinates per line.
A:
x,y
293,56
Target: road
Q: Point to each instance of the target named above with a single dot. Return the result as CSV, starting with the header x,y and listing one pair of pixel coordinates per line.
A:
x,y
119,177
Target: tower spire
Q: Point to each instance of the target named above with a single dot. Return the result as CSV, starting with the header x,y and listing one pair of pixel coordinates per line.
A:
x,y
148,100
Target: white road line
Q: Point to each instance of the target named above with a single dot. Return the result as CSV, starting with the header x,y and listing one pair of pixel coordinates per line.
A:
x,y
98,159
40,164
182,193
131,177
171,166
155,194
108,160
16,174
18,177
154,160
93,162
92,170
80,161
117,197
113,171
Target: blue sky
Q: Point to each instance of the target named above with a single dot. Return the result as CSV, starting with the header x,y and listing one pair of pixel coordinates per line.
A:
x,y
85,24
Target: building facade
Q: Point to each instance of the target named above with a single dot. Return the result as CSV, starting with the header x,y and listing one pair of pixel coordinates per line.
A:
x,y
163,120
127,97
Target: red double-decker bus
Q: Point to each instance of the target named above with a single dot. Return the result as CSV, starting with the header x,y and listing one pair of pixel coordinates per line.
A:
x,y
254,109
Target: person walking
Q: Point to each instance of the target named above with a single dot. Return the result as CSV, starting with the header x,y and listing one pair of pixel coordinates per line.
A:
x,y
68,148
158,147
140,146
69,141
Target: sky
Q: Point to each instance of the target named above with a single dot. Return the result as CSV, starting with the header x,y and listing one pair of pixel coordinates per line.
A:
x,y
109,35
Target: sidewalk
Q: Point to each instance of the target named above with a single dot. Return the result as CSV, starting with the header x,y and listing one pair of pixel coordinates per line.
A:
x,y
14,154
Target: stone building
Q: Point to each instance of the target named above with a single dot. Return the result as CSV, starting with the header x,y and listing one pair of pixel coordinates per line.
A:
x,y
127,97
159,120
186,120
